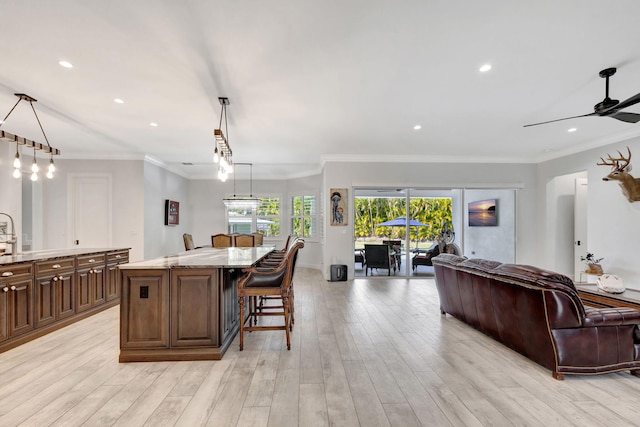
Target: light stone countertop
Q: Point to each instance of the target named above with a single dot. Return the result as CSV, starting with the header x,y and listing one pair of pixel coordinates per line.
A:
x,y
51,254
205,258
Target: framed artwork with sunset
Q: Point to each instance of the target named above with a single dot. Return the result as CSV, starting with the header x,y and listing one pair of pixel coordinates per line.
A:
x,y
483,213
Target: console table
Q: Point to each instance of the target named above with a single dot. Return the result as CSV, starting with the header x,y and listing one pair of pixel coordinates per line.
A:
x,y
184,306
591,295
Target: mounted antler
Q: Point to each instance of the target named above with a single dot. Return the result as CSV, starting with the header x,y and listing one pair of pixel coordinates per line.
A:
x,y
620,172
614,162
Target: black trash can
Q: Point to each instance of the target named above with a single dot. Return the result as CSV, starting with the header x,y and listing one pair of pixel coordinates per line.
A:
x,y
338,273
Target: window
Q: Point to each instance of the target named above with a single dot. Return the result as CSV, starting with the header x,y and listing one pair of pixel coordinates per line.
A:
x,y
268,217
265,219
303,216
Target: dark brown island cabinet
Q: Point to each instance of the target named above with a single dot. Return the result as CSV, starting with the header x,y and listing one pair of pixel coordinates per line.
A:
x,y
43,291
182,307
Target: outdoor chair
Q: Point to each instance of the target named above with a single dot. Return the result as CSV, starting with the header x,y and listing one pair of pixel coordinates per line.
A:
x,y
424,257
359,257
378,256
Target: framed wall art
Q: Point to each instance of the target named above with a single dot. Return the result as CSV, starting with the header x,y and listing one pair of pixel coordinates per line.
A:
x,y
171,212
339,202
483,213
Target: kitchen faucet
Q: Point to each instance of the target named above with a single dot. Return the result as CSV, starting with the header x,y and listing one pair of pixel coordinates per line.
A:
x,y
14,238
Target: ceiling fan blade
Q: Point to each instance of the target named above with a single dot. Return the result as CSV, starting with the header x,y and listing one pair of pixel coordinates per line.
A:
x,y
626,117
628,102
559,120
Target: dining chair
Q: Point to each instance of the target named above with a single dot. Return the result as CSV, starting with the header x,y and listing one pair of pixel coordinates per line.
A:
x,y
221,240
188,242
258,238
243,240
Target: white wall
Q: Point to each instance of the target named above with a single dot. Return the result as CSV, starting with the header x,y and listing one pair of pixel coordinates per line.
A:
x,y
10,191
559,233
338,246
128,209
612,222
495,242
160,185
208,211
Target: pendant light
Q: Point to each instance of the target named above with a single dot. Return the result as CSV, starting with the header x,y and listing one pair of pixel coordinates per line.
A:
x,y
222,152
18,140
242,202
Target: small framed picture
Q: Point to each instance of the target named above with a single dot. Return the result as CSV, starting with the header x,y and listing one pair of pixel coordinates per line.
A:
x,y
171,212
339,203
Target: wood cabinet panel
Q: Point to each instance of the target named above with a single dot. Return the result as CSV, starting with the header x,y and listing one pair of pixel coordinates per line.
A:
x,y
83,291
97,276
144,309
65,304
194,299
4,312
229,309
20,306
45,300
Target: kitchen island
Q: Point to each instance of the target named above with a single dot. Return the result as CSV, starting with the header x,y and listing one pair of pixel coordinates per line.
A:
x,y
183,306
42,291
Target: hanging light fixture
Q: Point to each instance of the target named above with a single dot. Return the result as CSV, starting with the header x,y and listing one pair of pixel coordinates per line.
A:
x,y
242,202
18,140
222,152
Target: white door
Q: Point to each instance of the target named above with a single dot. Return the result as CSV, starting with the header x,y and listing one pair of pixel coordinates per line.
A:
x,y
580,226
90,210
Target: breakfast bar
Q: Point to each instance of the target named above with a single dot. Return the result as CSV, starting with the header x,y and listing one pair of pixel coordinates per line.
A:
x,y
183,306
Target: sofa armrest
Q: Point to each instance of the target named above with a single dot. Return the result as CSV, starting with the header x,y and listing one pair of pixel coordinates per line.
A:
x,y
617,316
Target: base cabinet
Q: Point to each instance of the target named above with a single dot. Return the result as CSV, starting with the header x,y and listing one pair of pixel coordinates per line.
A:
x,y
194,298
144,309
41,295
21,306
177,314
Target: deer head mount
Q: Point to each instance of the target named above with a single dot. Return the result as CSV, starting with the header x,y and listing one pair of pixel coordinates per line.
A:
x,y
620,172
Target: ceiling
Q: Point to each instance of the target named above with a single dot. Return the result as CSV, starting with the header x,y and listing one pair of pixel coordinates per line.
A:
x,y
317,80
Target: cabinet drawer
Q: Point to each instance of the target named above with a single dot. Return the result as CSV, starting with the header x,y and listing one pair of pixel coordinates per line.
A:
x,y
119,256
13,270
90,260
54,266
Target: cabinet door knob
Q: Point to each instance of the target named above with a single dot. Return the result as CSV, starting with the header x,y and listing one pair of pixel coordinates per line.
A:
x,y
7,274
118,256
61,277
92,260
55,278
56,266
13,288
5,289
90,271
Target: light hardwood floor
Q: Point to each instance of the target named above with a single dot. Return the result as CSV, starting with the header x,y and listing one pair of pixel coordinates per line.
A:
x,y
368,352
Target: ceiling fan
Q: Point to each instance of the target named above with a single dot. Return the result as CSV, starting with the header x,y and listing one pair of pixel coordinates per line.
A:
x,y
608,107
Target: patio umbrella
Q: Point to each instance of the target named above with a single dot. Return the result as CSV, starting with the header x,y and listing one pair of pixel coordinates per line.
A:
x,y
401,221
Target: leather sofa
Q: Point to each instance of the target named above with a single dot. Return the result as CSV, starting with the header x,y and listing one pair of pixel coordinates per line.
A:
x,y
539,314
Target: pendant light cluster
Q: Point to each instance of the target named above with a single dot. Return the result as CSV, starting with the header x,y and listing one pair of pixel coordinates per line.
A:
x,y
18,140
222,151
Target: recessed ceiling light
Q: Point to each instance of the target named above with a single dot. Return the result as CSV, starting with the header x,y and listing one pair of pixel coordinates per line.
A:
x,y
572,129
417,127
65,64
118,101
485,68
154,124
